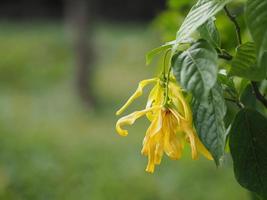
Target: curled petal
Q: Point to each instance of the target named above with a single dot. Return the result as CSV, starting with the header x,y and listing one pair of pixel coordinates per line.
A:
x,y
136,94
130,119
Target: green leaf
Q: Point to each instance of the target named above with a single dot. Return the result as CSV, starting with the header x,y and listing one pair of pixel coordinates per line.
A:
x,y
228,83
198,15
249,100
244,64
150,55
209,123
256,17
248,139
209,32
196,69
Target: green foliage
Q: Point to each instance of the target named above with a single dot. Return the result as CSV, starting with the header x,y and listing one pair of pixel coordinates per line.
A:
x,y
256,16
198,15
209,32
199,61
209,122
248,141
245,65
196,69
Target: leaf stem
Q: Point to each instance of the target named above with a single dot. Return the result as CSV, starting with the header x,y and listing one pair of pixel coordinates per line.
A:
x,y
167,86
164,62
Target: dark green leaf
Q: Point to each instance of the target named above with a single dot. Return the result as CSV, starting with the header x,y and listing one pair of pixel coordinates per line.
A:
x,y
209,32
249,100
248,139
256,17
227,82
244,64
209,123
196,69
232,110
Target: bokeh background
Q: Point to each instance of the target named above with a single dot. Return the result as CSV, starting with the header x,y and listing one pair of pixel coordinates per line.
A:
x,y
65,67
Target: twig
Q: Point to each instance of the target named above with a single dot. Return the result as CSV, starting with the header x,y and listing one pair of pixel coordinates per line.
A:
x,y
237,27
225,57
238,103
258,95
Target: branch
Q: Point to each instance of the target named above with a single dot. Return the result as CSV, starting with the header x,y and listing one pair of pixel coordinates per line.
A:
x,y
237,27
259,96
224,56
238,103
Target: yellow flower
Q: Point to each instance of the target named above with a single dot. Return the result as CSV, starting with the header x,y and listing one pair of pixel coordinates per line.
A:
x,y
171,123
168,134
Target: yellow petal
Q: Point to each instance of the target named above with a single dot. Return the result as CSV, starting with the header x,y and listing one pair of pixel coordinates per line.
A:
x,y
130,119
153,129
151,159
192,139
180,101
159,151
156,97
172,146
136,94
177,115
202,149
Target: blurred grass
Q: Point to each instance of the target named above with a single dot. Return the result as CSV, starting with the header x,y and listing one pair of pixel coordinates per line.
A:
x,y
51,147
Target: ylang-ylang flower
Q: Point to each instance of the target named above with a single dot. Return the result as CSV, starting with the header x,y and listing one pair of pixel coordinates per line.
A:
x,y
171,122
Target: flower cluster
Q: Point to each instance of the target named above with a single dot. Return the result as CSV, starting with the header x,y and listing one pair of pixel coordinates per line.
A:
x,y
171,122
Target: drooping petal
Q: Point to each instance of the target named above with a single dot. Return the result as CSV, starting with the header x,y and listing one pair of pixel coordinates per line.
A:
x,y
172,145
159,150
202,149
130,119
192,139
153,129
151,158
177,115
136,94
179,101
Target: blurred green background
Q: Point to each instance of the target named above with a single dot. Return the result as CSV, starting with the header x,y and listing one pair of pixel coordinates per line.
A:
x,y
52,146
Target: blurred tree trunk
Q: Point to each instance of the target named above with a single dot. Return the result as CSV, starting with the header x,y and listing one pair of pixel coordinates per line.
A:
x,y
79,20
